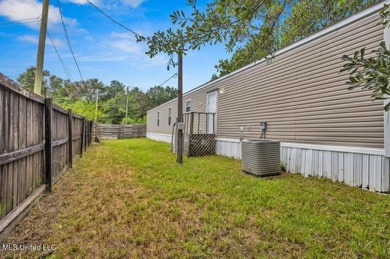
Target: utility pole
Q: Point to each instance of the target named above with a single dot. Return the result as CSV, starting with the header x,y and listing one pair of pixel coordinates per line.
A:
x,y
41,49
180,141
127,103
96,108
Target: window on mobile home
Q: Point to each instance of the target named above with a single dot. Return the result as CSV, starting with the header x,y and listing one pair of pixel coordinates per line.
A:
x,y
188,106
169,116
158,118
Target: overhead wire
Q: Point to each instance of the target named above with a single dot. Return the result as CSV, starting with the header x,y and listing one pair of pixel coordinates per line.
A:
x,y
174,76
13,23
66,70
22,20
137,35
67,39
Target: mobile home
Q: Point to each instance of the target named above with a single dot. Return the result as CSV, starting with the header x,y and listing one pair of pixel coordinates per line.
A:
x,y
325,129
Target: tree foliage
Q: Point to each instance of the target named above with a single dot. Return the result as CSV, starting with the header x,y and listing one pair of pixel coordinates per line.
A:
x,y
300,20
81,97
27,79
251,29
229,21
372,73
158,95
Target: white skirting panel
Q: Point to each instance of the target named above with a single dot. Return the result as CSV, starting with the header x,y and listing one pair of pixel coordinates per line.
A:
x,y
360,167
228,147
160,137
368,171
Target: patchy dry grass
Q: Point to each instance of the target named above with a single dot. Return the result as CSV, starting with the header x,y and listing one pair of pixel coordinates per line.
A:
x,y
129,198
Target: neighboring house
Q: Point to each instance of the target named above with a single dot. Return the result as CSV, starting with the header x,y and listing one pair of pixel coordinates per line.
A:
x,y
325,130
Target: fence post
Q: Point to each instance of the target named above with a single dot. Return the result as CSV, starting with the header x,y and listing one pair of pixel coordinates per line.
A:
x,y
97,131
82,137
48,143
192,123
86,135
70,138
89,133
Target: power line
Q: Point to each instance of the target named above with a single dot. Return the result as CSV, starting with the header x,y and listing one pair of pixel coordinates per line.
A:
x,y
13,23
22,20
137,36
67,39
174,76
67,72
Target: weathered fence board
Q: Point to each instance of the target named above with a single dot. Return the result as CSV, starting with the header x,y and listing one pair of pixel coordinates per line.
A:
x,y
23,136
77,125
21,146
116,131
60,156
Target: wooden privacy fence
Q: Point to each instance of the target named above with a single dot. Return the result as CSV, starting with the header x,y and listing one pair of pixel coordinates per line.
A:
x,y
116,131
38,141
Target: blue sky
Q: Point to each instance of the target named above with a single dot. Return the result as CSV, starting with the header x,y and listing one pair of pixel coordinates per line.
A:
x,y
103,49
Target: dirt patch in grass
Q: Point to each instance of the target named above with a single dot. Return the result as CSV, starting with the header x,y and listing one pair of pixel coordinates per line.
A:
x,y
130,199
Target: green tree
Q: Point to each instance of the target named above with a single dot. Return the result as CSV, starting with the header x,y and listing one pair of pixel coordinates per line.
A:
x,y
251,29
223,21
57,87
81,97
27,78
115,108
112,90
83,108
302,19
158,95
372,73
85,90
141,103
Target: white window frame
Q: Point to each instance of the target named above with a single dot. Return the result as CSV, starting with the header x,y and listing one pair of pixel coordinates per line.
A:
x,y
216,109
169,116
189,106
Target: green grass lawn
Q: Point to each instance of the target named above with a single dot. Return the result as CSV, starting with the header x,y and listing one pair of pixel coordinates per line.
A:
x,y
128,198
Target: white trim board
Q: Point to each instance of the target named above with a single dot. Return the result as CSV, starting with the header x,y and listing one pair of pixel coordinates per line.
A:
x,y
386,37
160,137
334,28
358,150
227,140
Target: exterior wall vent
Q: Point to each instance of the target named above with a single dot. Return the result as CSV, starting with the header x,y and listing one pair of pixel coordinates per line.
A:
x,y
261,157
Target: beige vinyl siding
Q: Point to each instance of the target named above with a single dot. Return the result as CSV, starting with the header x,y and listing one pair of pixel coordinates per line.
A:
x,y
164,128
301,94
303,97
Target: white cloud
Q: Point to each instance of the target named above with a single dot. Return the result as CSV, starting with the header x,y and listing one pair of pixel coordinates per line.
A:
x,y
16,10
122,47
34,39
83,1
110,3
29,38
125,43
134,3
57,42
